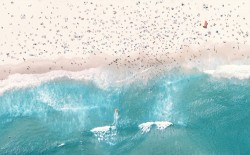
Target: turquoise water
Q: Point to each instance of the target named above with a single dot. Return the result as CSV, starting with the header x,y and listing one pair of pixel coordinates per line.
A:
x,y
209,116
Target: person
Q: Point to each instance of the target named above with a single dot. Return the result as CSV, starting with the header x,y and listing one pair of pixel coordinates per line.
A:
x,y
205,24
116,117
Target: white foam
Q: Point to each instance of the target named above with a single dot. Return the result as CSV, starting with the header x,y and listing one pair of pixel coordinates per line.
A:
x,y
104,133
17,81
62,144
160,125
103,129
231,71
101,76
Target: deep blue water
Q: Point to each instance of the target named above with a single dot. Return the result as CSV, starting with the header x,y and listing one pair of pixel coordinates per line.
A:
x,y
209,116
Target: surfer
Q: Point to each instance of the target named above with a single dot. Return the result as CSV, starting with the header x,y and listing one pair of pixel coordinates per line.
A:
x,y
116,117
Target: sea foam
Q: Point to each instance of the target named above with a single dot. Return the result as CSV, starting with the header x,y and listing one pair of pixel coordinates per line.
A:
x,y
160,125
102,77
17,81
230,71
104,133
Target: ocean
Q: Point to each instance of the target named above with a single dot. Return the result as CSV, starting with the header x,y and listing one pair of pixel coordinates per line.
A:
x,y
174,112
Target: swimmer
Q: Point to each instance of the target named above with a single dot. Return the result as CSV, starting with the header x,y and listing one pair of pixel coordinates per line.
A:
x,y
116,117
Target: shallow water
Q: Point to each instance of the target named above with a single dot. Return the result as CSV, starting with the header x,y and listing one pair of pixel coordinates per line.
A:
x,y
209,116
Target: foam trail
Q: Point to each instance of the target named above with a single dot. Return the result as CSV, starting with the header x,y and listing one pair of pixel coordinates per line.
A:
x,y
160,125
231,71
104,133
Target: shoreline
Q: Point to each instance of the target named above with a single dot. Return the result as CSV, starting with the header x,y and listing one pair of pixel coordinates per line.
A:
x,y
109,69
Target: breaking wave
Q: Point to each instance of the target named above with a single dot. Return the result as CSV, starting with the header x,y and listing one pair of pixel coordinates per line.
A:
x,y
63,112
231,71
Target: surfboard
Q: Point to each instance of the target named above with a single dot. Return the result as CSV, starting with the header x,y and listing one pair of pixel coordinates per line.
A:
x,y
103,129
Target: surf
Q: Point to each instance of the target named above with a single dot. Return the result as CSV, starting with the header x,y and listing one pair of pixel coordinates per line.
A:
x,y
72,113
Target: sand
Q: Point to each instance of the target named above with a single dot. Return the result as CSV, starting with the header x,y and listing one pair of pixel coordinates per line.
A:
x,y
38,36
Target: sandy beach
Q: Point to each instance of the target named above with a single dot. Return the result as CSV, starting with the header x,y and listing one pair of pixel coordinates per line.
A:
x,y
125,77
41,36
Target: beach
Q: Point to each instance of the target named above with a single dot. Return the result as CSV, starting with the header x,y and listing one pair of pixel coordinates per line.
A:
x,y
78,35
124,77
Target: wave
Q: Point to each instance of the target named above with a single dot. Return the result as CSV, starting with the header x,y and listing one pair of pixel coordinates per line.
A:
x,y
230,71
104,77
104,133
146,127
16,81
109,133
101,76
